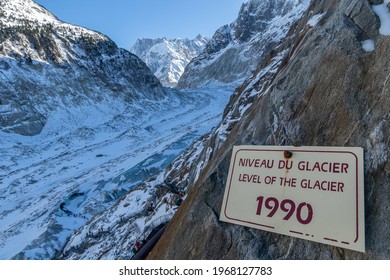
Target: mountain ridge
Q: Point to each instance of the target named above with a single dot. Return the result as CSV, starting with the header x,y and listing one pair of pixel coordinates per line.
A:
x,y
36,47
235,50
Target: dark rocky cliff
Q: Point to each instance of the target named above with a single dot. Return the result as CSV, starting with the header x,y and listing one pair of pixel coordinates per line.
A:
x,y
319,87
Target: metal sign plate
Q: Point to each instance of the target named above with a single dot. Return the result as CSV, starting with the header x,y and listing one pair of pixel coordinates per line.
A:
x,y
314,193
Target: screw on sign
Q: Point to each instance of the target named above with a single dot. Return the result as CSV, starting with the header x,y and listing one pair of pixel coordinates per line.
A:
x,y
314,193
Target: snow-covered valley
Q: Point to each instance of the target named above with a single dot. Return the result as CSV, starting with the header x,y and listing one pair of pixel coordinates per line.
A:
x,y
86,158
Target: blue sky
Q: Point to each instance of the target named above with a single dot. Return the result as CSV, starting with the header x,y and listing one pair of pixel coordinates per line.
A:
x,y
126,20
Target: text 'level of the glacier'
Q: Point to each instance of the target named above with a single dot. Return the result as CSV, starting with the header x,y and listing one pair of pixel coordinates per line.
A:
x,y
314,193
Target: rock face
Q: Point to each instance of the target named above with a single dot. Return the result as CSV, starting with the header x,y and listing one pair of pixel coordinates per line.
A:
x,y
37,50
167,58
319,87
236,49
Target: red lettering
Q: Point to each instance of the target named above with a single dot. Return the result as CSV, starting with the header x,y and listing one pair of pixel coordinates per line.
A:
x,y
340,187
258,163
267,164
273,207
317,167
309,213
288,206
289,211
323,166
249,162
336,167
249,178
323,185
331,167
344,168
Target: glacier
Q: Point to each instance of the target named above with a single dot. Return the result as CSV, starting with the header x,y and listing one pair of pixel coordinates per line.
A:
x,y
86,158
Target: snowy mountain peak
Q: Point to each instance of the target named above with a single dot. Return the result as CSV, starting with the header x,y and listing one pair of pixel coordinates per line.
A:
x,y
41,35
37,51
237,49
167,58
17,12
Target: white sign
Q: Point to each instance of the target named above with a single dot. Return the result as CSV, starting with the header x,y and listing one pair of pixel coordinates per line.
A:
x,y
314,193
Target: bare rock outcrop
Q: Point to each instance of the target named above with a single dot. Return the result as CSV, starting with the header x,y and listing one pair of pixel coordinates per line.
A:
x,y
321,87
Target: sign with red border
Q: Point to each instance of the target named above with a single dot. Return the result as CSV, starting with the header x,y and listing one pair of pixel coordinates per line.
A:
x,y
314,193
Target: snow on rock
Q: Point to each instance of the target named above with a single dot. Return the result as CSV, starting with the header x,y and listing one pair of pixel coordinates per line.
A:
x,y
315,19
383,13
368,45
236,50
38,50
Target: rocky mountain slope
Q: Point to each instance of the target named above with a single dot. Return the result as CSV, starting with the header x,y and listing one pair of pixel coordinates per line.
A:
x,y
81,123
167,58
325,84
235,50
37,50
